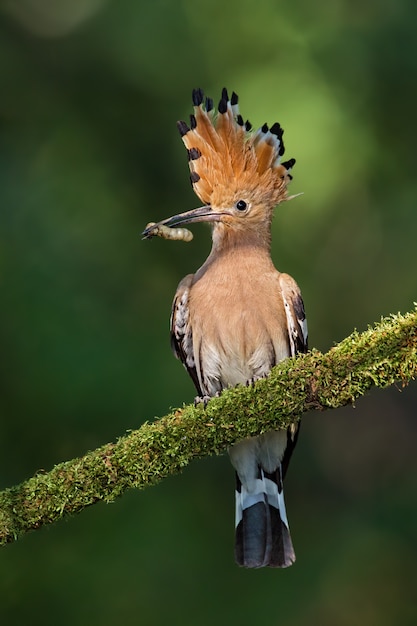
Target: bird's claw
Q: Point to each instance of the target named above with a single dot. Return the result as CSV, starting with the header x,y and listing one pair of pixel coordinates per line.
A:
x,y
202,400
205,399
254,379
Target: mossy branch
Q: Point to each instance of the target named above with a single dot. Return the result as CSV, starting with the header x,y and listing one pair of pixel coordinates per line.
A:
x,y
381,356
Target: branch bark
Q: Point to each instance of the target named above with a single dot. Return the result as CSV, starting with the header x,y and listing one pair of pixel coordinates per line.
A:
x,y
380,356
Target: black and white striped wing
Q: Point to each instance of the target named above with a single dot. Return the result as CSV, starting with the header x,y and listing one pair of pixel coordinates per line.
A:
x,y
295,314
298,340
181,331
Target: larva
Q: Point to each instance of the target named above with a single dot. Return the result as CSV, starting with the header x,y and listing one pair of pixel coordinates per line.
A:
x,y
165,232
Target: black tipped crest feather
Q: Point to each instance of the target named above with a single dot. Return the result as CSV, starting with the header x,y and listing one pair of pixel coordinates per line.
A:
x,y
183,128
193,154
198,97
223,149
288,164
222,108
277,130
193,122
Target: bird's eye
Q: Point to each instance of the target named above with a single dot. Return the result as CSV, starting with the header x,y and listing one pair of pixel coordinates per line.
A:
x,y
241,205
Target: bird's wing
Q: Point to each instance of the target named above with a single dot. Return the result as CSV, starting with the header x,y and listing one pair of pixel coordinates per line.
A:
x,y
181,332
295,314
298,339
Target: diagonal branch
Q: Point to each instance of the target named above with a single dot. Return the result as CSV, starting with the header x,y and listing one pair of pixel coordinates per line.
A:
x,y
380,356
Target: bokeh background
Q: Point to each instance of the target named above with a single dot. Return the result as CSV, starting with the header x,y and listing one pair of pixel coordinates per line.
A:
x,y
89,153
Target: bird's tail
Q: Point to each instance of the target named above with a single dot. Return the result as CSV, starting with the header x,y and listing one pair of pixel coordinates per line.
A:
x,y
262,532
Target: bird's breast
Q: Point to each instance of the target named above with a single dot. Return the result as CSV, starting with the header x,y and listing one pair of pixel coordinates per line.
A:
x,y
238,323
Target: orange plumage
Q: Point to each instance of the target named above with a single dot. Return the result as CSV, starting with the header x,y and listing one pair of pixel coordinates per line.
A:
x,y
224,153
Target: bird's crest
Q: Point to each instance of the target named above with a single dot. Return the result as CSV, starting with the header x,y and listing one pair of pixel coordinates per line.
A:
x,y
225,154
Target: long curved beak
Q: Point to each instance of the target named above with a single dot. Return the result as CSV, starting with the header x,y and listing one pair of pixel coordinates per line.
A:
x,y
202,214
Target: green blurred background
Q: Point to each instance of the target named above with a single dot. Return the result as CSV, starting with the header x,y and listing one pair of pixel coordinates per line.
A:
x,y
89,153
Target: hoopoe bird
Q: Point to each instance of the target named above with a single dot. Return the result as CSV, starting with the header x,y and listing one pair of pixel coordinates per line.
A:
x,y
237,316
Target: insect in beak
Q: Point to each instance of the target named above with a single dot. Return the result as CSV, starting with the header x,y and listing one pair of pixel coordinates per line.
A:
x,y
202,214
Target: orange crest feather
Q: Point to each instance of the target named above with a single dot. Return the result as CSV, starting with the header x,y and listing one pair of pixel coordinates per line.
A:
x,y
225,155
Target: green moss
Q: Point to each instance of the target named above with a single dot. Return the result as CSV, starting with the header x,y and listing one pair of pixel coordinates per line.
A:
x,y
380,356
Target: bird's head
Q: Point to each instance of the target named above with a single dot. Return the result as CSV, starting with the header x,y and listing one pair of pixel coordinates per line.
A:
x,y
236,172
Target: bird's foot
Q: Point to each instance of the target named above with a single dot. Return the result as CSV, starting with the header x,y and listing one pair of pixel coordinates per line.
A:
x,y
253,380
205,399
201,400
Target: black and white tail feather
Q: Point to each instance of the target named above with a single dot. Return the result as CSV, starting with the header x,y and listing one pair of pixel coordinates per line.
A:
x,y
262,531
